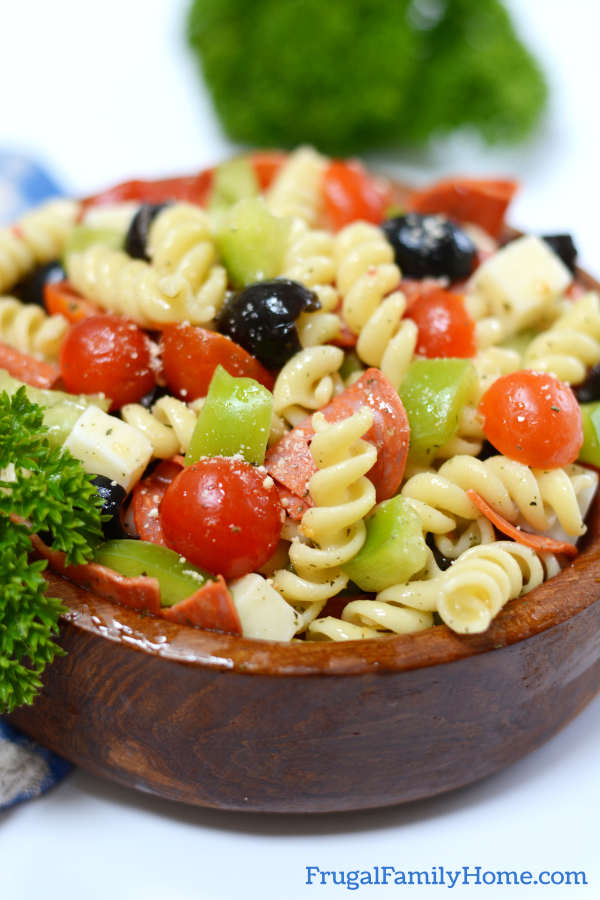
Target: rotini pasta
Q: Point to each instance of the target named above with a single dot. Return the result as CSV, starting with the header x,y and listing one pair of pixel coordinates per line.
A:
x,y
168,426
538,498
469,594
128,286
296,190
307,382
181,246
334,526
309,260
27,328
571,345
372,306
39,237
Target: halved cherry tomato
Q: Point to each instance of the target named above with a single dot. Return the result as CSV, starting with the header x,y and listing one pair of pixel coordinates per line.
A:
x,y
222,514
28,369
191,354
292,465
445,327
62,299
211,606
538,542
107,354
533,418
266,165
185,188
483,201
351,193
146,499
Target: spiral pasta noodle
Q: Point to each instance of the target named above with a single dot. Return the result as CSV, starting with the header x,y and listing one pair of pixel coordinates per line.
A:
x,y
469,594
128,286
539,498
296,189
180,244
571,345
26,327
368,279
343,496
310,260
307,382
38,238
169,425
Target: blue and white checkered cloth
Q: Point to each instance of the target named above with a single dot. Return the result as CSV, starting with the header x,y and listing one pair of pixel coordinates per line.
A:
x,y
26,769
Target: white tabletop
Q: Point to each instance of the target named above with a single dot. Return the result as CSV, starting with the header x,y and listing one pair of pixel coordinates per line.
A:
x,y
106,91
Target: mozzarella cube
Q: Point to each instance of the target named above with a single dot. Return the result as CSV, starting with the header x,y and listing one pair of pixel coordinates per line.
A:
x,y
107,446
521,281
262,610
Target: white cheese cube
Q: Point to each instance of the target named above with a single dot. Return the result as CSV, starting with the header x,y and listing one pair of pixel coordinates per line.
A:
x,y
107,446
521,282
262,610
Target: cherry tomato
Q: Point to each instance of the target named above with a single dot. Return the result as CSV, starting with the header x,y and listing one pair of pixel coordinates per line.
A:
x,y
351,193
61,298
222,514
191,355
266,165
107,354
534,418
186,188
445,327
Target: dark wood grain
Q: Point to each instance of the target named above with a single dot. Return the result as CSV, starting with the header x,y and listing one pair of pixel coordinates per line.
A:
x,y
239,724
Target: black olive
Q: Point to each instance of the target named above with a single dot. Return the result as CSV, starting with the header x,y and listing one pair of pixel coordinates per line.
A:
x,y
113,495
137,234
428,245
262,319
31,288
564,246
152,396
441,561
589,390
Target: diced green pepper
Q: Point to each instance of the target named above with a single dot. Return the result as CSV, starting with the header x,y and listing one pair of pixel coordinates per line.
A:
x,y
394,549
519,341
252,242
61,410
177,577
350,365
434,392
232,181
82,237
590,419
235,418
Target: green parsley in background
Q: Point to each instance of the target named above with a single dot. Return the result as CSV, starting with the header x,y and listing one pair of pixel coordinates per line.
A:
x,y
352,75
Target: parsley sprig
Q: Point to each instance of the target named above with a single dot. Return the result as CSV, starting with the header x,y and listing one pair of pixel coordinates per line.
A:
x,y
43,489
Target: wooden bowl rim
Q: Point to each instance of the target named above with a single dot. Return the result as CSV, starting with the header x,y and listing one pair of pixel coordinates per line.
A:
x,y
574,589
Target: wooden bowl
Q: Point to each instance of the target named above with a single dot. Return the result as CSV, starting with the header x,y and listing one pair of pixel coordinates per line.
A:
x,y
240,724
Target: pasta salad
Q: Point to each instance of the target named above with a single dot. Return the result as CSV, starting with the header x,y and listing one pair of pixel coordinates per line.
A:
x,y
317,405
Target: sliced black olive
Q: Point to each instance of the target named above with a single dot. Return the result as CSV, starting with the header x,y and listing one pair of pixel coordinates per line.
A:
x,y
430,246
564,246
113,495
31,288
589,390
442,561
136,240
262,319
152,396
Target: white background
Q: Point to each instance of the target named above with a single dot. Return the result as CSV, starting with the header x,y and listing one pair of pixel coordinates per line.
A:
x,y
104,91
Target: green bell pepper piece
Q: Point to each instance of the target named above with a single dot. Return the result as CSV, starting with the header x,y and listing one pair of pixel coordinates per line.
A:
x,y
252,242
434,392
235,418
232,181
177,577
61,410
590,419
394,548
82,237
